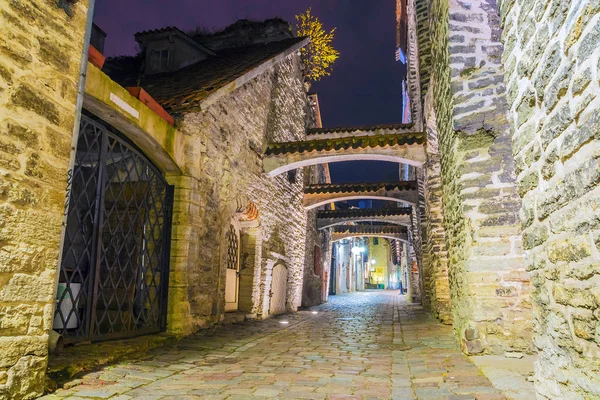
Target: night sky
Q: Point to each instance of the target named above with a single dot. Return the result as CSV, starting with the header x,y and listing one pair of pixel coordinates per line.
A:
x,y
364,88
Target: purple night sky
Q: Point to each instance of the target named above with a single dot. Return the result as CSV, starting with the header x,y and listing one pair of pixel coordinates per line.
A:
x,y
364,88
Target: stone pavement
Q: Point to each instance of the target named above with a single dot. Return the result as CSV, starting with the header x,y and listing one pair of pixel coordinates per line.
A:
x,y
365,345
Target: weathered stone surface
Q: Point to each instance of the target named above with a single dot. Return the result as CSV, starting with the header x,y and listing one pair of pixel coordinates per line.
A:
x,y
560,209
225,173
37,102
477,175
398,352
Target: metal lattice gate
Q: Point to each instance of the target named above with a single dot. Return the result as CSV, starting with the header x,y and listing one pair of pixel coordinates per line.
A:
x,y
115,263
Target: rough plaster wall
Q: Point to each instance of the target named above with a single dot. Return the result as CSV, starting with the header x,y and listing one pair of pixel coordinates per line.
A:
x,y
488,282
552,62
40,55
223,150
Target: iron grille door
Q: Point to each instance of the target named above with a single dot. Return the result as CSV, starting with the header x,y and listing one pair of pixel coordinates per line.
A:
x,y
233,244
114,274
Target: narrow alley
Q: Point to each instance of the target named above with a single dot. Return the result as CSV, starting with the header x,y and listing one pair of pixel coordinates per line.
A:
x,y
361,345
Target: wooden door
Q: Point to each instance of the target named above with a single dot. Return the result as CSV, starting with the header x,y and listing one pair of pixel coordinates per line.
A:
x,y
232,277
278,290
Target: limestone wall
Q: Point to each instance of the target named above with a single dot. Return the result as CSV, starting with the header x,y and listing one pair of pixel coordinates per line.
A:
x,y
40,55
223,172
488,282
552,67
435,292
435,255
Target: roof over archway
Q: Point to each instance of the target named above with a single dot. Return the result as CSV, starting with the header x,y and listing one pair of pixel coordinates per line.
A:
x,y
356,131
406,148
395,216
402,192
385,231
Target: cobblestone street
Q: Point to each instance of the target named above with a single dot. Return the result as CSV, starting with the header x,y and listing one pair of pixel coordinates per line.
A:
x,y
364,345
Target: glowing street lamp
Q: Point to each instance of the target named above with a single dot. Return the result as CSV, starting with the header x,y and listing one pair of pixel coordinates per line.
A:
x,y
357,250
373,261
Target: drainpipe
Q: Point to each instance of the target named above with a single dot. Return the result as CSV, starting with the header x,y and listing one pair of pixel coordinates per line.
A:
x,y
74,139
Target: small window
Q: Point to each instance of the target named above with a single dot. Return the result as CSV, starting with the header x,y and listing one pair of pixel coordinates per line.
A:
x,y
375,241
160,60
292,175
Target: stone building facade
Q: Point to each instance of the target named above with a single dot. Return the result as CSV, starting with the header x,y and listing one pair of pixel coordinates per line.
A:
x,y
208,149
227,175
500,240
551,63
465,114
508,92
40,57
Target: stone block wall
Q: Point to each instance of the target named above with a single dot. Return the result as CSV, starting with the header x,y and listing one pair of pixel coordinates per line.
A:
x,y
315,281
435,293
552,63
488,282
423,42
223,172
40,58
435,254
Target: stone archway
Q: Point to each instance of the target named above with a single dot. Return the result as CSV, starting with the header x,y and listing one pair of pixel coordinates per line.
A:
x,y
242,290
405,148
405,192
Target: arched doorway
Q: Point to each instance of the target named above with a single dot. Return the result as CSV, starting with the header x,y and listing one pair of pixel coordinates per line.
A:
x,y
115,263
278,290
232,274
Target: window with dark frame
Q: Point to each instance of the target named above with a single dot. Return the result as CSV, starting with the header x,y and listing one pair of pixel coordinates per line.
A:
x,y
160,60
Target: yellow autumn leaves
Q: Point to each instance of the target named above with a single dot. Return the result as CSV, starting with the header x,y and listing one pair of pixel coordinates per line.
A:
x,y
319,55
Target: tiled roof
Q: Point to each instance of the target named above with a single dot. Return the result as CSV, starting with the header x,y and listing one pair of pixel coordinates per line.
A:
x,y
361,187
160,30
364,212
358,142
184,89
340,129
370,229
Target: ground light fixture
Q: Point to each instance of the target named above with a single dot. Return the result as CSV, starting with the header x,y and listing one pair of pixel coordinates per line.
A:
x,y
315,312
283,322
